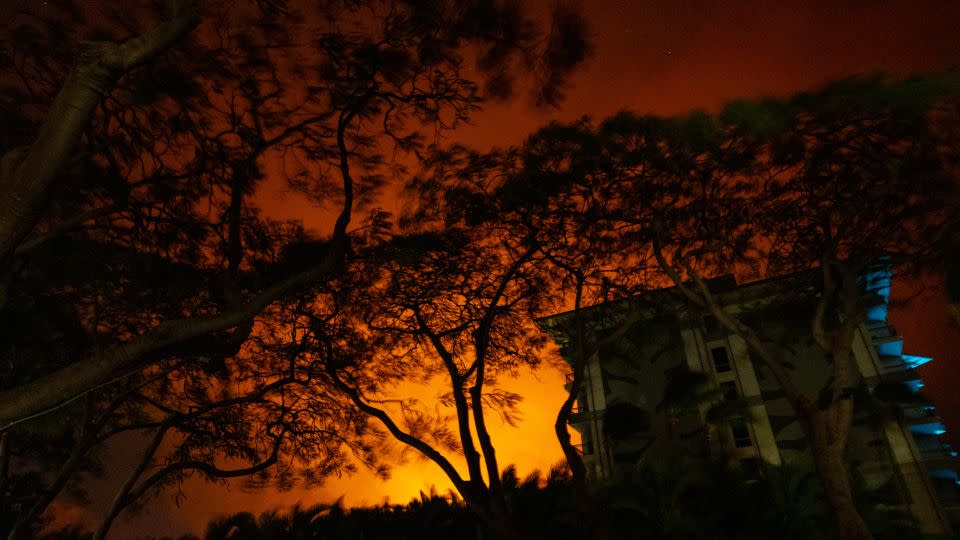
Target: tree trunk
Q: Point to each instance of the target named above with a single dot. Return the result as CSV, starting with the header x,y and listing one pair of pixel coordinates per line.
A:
x,y
561,427
589,510
835,479
593,516
103,367
578,470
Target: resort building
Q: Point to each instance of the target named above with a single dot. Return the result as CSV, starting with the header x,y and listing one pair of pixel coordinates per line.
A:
x,y
676,377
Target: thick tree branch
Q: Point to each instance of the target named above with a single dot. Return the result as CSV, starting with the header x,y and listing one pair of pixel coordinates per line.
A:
x,y
470,453
465,488
481,343
561,427
120,501
33,173
64,227
705,299
206,468
73,380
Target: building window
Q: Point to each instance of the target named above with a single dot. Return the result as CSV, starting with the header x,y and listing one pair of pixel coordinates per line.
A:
x,y
729,390
741,436
740,432
721,359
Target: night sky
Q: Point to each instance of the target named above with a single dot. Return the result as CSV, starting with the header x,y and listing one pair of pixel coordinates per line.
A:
x,y
664,57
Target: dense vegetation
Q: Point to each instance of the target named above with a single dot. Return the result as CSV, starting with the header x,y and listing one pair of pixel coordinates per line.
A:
x,y
682,498
144,293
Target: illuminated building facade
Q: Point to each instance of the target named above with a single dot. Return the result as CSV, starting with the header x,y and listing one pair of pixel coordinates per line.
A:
x,y
894,444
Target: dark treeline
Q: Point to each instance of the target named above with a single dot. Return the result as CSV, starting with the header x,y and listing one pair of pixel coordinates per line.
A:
x,y
146,298
682,497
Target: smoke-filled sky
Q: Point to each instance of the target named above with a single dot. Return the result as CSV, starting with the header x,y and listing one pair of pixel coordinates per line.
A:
x,y
664,57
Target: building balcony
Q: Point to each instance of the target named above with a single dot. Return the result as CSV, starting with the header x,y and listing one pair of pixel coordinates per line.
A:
x,y
880,330
905,375
920,414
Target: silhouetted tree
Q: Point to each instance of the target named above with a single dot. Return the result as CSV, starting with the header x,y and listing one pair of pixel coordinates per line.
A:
x,y
139,243
825,188
357,92
459,311
513,190
828,184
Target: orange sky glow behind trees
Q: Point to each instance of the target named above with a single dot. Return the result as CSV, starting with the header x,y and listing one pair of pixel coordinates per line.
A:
x,y
663,57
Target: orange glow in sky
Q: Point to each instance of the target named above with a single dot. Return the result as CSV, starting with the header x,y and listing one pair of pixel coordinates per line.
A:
x,y
665,57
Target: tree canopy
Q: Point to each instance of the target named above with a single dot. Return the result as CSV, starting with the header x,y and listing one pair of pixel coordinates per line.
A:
x,y
145,289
